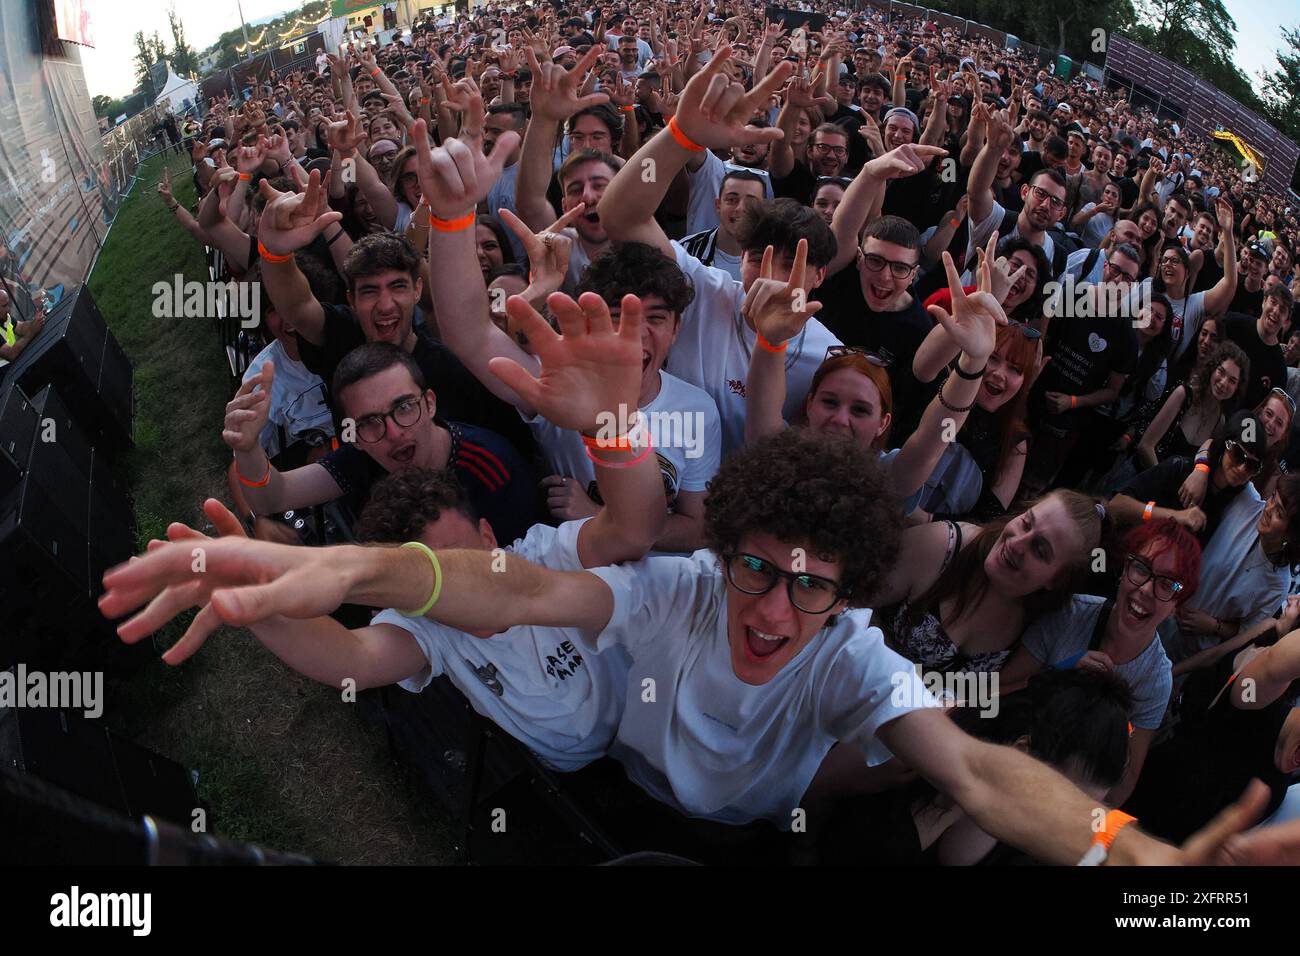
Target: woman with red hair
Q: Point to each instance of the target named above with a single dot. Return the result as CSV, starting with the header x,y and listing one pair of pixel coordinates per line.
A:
x,y
1161,571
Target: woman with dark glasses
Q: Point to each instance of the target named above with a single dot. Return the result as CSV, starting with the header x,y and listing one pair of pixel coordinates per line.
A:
x,y
850,395
1275,412
1161,572
1236,456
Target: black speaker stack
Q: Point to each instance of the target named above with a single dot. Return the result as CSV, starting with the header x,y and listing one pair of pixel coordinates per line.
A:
x,y
66,409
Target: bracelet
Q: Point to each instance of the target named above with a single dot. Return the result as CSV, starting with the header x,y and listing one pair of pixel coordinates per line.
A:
x,y
424,101
375,72
953,408
628,109
954,223
621,443
173,207
1148,511
245,177
1074,401
453,225
337,235
768,346
437,580
1202,467
975,377
1102,841
601,462
270,256
266,479
684,141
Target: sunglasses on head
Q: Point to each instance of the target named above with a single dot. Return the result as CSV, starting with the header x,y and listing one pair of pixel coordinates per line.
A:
x,y
1284,397
882,361
1027,330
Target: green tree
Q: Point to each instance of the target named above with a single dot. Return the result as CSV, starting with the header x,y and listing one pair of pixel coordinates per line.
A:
x,y
1281,98
184,60
144,58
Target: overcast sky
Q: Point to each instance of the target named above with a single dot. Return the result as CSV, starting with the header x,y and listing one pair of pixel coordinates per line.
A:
x,y
109,66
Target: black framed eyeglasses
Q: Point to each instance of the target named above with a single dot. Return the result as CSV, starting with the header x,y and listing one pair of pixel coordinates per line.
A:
x,y
809,593
899,270
1042,195
875,358
404,413
1237,452
1139,573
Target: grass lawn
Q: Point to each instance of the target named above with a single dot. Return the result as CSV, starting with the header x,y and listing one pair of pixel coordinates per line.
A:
x,y
282,761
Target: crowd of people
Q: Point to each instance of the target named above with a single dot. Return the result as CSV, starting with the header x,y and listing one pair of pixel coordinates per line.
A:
x,y
878,446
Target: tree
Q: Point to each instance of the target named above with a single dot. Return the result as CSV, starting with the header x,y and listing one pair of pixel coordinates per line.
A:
x,y
184,60
144,58
1281,99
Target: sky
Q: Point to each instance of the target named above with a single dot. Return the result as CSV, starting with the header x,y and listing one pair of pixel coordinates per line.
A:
x,y
109,67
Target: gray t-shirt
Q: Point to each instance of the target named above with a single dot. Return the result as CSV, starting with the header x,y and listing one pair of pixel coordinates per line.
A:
x,y
1059,639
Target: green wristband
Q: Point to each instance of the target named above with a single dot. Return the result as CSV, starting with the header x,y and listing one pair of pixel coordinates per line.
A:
x,y
437,580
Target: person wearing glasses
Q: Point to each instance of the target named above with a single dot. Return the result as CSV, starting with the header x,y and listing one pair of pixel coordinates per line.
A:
x,y
1044,197
1161,572
1235,457
382,395
851,396
748,660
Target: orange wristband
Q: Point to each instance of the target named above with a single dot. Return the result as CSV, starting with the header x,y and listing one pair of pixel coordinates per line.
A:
x,y
621,443
375,72
684,141
452,225
270,256
1148,511
1116,820
1202,467
266,479
1074,401
245,177
764,343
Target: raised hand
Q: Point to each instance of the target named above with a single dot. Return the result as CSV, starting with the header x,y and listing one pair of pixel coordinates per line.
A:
x,y
165,187
247,413
345,135
589,369
779,310
975,317
277,148
457,176
555,95
714,111
292,220
548,251
1223,212
906,160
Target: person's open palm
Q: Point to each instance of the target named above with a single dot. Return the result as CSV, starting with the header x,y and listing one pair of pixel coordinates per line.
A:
x,y
556,93
248,412
590,370
973,323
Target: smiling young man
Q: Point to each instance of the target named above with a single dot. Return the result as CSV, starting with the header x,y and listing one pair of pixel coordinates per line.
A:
x,y
749,661
1261,339
720,246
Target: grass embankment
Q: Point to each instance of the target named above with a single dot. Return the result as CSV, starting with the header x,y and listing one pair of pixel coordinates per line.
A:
x,y
282,761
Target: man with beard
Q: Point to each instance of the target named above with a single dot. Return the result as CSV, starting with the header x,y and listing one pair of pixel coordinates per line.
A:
x,y
1249,297
1261,340
1044,197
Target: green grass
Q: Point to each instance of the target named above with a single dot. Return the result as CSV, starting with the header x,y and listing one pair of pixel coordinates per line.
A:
x,y
282,761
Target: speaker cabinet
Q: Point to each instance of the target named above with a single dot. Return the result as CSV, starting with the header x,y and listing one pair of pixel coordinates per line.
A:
x,y
18,424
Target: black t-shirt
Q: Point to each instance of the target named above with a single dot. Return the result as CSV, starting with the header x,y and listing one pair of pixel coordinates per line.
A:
x,y
500,485
1128,190
893,335
1267,366
1210,274
799,185
1245,301
852,120
909,198
1084,353
460,396
1161,483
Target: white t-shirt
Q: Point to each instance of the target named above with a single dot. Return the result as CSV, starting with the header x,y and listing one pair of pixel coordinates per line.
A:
x,y
727,263
697,738
297,399
706,184
715,343
684,429
1188,315
539,684
578,262
1095,231
1075,262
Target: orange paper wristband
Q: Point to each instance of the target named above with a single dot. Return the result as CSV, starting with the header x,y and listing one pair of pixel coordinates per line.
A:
x,y
1116,820
764,343
684,141
452,225
1202,467
266,479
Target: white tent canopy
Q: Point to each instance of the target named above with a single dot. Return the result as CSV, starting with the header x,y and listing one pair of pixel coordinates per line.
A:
x,y
177,90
